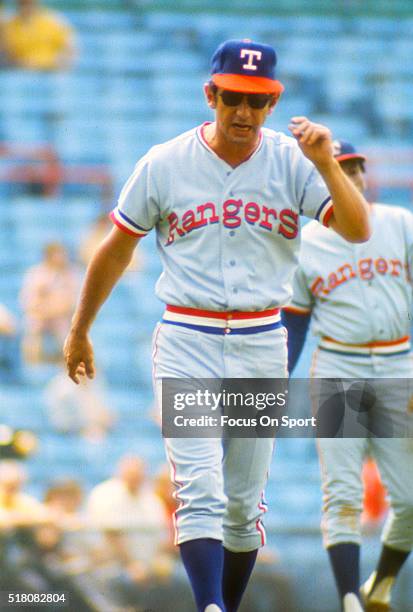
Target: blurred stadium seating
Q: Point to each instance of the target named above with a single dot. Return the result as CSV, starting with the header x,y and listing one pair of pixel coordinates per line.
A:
x,y
138,81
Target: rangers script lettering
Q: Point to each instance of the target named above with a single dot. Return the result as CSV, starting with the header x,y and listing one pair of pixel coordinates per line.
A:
x,y
234,212
366,270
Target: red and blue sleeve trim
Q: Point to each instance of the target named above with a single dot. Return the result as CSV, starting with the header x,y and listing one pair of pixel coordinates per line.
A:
x,y
325,211
126,224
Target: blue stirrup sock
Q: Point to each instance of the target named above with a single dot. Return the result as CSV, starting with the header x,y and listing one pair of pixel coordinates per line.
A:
x,y
238,567
203,560
345,561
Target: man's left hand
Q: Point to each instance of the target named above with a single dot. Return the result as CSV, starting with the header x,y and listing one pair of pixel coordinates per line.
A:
x,y
314,140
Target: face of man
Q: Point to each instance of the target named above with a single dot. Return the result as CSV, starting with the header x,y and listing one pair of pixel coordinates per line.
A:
x,y
56,256
26,4
354,168
238,123
132,473
12,477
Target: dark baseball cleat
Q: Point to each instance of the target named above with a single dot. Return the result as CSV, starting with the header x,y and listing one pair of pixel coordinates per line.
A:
x,y
371,605
375,606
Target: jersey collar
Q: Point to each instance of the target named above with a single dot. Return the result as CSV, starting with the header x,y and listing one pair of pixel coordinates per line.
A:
x,y
202,140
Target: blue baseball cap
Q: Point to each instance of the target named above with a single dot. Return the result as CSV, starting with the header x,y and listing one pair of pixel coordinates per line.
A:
x,y
243,65
343,151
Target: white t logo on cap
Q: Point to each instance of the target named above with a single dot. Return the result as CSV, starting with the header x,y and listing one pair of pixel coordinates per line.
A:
x,y
250,54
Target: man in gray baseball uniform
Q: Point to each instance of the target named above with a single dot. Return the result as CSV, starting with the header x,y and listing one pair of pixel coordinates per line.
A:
x,y
224,199
359,300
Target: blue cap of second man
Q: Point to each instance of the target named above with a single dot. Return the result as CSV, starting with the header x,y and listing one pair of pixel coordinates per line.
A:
x,y
343,150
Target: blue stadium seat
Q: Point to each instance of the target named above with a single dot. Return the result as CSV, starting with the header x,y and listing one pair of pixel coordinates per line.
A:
x,y
94,19
352,126
385,28
177,60
81,139
24,130
392,95
159,22
78,95
37,376
26,90
22,407
345,88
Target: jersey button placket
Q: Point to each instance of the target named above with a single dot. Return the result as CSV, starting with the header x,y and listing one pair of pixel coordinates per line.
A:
x,y
228,329
228,262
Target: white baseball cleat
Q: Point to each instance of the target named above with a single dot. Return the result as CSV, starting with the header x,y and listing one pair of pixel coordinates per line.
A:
x,y
213,608
351,603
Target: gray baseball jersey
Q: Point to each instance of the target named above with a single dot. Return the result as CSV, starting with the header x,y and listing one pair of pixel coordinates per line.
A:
x,y
196,201
358,293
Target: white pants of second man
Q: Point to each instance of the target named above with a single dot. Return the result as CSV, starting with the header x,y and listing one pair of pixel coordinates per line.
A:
x,y
341,460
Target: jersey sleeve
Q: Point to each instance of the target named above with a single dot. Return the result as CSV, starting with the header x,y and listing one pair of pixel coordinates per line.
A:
x,y
408,231
138,209
297,327
302,300
314,198
296,317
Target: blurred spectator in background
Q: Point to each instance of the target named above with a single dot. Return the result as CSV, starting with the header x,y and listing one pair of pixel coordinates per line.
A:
x,y
66,536
8,324
64,501
165,489
2,49
9,346
375,504
48,299
97,232
82,409
134,558
133,524
17,509
16,443
37,39
36,556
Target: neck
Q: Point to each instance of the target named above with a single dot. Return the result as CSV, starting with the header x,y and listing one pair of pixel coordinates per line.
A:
x,y
233,153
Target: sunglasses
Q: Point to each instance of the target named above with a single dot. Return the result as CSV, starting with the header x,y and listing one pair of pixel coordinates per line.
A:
x,y
234,98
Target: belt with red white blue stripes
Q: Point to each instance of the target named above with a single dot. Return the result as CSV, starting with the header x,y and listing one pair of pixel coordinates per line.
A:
x,y
222,323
